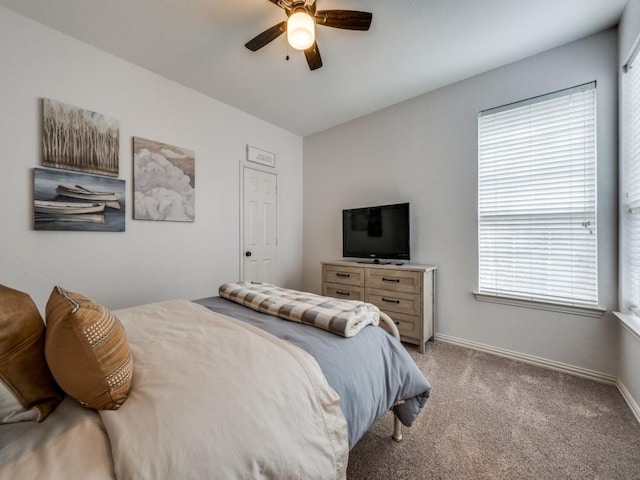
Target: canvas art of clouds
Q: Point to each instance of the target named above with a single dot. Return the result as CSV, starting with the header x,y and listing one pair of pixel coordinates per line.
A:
x,y
164,182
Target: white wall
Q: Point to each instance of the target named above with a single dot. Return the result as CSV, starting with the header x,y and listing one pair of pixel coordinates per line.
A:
x,y
152,260
424,151
629,351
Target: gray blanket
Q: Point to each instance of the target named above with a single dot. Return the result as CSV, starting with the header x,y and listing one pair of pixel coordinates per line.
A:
x,y
380,371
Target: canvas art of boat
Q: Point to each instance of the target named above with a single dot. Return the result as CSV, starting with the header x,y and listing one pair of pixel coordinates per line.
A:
x,y
67,208
59,217
72,201
80,192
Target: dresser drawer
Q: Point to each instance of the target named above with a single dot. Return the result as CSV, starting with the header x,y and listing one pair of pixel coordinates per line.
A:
x,y
346,292
398,302
396,280
408,325
343,275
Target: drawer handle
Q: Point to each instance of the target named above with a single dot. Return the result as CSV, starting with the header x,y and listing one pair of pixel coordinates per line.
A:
x,y
390,301
397,323
394,280
346,294
346,275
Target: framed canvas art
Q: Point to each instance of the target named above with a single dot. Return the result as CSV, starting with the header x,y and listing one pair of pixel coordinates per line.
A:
x,y
77,139
64,200
163,182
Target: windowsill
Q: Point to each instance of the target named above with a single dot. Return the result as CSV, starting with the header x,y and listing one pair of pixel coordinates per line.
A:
x,y
630,322
552,307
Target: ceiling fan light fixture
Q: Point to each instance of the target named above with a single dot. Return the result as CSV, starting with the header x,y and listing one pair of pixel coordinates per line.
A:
x,y
301,32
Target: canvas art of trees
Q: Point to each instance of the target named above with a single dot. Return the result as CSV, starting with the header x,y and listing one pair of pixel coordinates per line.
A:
x,y
77,139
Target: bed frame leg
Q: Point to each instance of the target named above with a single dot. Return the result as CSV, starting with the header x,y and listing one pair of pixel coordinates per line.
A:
x,y
397,429
397,426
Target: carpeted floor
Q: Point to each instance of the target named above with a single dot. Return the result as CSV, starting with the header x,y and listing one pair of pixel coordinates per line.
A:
x,y
495,418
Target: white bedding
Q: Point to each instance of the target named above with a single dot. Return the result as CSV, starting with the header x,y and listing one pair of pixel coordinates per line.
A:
x,y
213,397
70,444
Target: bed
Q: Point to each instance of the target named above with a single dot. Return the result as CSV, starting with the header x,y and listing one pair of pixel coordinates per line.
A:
x,y
222,391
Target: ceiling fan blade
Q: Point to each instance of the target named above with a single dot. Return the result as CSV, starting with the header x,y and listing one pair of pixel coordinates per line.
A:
x,y
313,57
347,19
267,36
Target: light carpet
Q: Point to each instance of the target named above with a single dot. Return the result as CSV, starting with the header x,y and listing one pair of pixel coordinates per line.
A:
x,y
494,418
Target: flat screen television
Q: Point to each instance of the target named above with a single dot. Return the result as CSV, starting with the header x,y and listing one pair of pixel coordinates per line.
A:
x,y
380,232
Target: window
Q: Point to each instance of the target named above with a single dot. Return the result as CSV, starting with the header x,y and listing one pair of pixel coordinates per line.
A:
x,y
630,215
537,199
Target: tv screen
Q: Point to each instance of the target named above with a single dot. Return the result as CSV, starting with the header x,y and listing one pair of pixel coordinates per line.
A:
x,y
376,232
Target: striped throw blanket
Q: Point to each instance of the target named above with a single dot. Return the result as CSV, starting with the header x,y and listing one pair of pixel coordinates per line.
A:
x,y
342,317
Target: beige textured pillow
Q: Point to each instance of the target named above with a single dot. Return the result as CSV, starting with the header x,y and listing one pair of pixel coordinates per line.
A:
x,y
27,389
87,350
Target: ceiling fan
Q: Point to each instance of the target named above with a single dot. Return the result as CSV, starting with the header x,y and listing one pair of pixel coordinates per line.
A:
x,y
300,27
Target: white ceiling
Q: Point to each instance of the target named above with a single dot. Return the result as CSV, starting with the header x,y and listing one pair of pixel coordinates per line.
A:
x,y
413,46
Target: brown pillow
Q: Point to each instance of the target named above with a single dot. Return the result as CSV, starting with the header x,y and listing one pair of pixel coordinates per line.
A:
x,y
27,389
87,350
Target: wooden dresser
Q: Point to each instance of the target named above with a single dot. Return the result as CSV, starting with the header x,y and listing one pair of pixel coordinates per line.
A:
x,y
406,293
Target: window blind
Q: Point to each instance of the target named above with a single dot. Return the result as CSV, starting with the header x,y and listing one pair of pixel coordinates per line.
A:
x,y
537,199
631,187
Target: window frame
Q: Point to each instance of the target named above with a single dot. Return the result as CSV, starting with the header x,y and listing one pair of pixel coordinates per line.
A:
x,y
628,315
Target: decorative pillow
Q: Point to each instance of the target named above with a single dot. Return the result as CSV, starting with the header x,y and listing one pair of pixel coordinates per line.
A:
x,y
87,350
27,389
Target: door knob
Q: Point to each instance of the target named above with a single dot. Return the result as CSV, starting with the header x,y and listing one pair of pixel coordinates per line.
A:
x,y
247,254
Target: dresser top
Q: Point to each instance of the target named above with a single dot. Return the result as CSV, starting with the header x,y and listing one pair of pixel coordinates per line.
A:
x,y
393,266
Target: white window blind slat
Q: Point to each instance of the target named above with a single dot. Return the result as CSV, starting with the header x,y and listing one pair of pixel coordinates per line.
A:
x,y
537,199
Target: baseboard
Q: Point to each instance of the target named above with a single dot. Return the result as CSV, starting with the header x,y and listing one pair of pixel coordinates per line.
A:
x,y
635,408
533,360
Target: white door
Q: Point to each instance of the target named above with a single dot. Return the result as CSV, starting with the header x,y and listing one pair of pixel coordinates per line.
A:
x,y
259,248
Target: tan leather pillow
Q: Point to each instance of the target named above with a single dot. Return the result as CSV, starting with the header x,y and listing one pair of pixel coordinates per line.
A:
x,y
27,389
87,350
